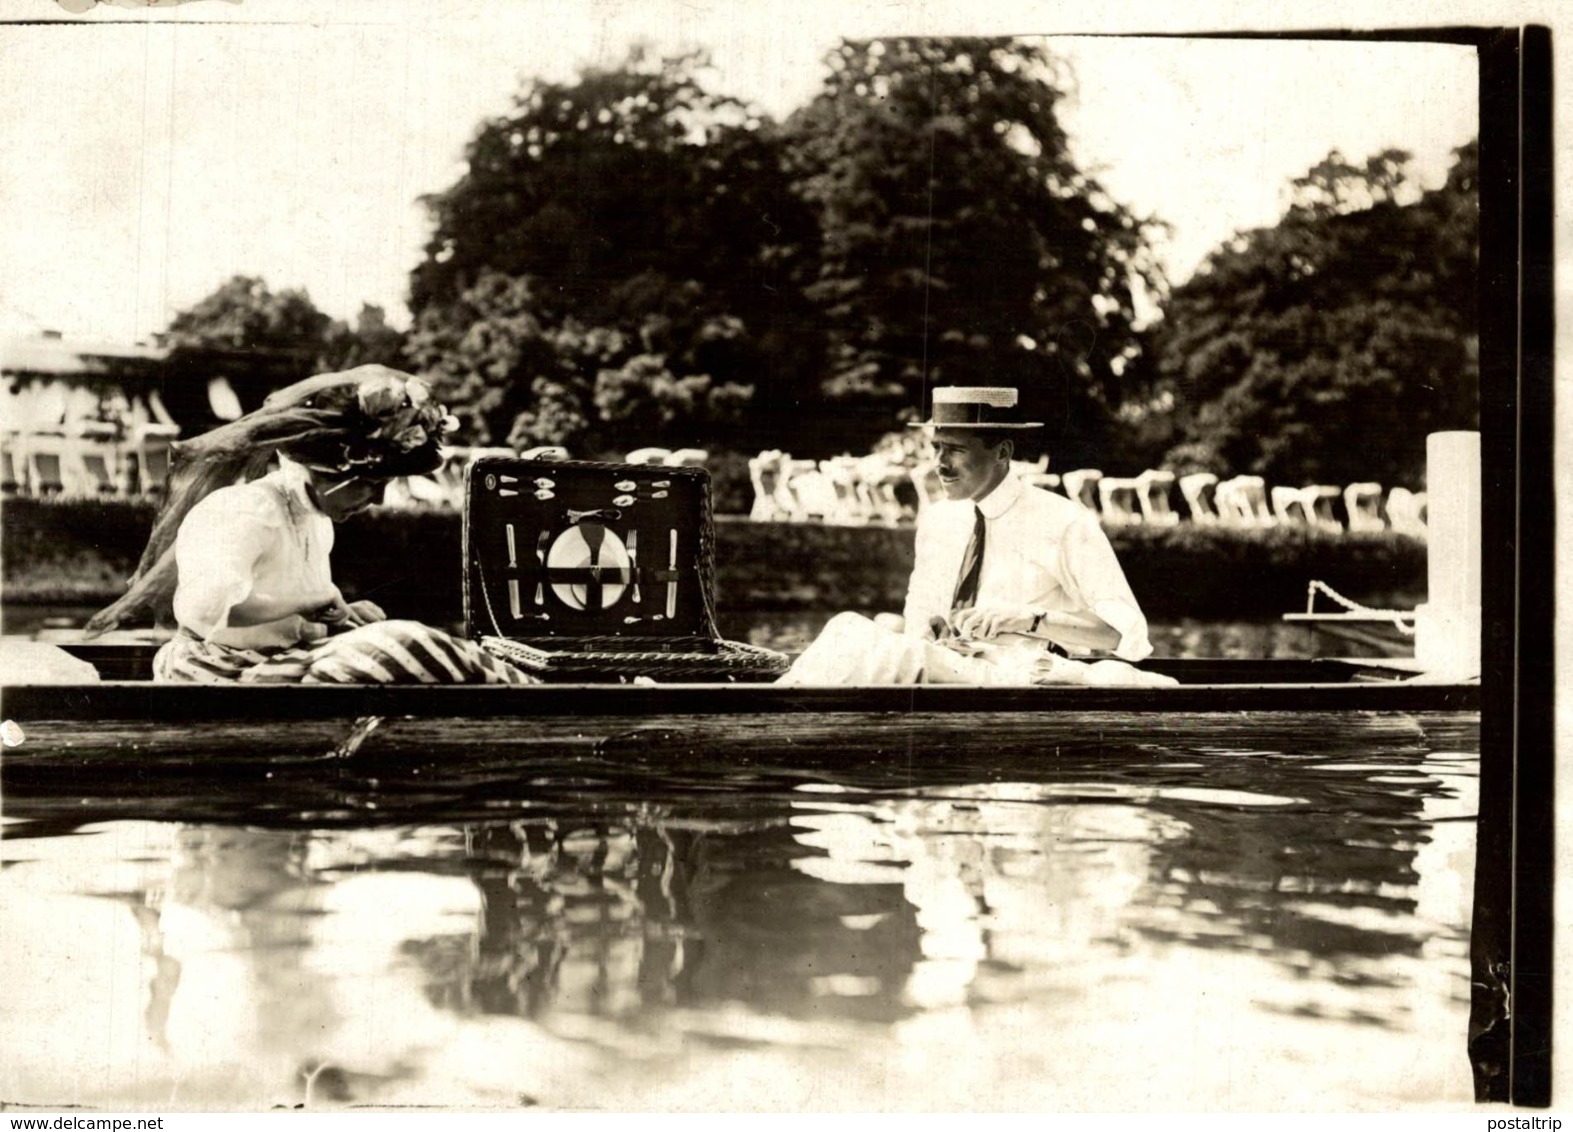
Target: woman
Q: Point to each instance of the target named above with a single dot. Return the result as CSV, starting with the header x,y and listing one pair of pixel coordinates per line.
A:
x,y
240,553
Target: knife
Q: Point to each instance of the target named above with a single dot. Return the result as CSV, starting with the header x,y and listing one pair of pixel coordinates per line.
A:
x,y
633,561
671,585
513,555
540,553
594,537
513,598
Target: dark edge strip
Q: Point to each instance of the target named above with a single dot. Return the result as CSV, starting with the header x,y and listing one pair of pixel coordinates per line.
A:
x,y
1490,937
1534,772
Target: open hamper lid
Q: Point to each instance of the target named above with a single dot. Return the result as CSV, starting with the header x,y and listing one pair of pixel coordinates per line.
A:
x,y
598,572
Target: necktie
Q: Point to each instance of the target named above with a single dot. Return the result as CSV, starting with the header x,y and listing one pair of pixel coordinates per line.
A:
x,y
971,567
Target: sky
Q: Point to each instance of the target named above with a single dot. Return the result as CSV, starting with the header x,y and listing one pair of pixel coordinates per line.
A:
x,y
147,156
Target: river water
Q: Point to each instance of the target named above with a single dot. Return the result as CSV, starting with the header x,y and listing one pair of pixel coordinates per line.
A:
x,y
1166,912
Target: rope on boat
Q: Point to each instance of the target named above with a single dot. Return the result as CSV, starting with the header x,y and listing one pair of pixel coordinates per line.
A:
x,y
1402,619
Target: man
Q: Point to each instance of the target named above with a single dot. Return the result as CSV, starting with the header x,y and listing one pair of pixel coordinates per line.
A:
x,y
1008,580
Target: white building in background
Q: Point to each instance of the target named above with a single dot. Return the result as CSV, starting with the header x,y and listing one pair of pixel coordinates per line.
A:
x,y
82,417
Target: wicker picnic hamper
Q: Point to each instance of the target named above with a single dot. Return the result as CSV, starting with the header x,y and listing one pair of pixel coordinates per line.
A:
x,y
595,572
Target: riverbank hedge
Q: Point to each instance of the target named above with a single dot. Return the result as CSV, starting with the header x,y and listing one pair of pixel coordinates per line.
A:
x,y
77,551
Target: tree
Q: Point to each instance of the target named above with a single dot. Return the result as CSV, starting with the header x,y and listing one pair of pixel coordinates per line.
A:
x,y
920,221
371,341
1325,348
508,375
958,241
645,397
628,215
485,353
1334,186
244,332
244,314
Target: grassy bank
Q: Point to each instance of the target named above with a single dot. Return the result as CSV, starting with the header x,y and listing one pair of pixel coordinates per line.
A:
x,y
80,552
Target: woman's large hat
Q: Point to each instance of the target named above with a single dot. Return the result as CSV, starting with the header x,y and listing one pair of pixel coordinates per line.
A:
x,y
370,422
975,406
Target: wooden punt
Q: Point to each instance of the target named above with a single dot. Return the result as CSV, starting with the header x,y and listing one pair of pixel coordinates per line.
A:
x,y
1358,634
1220,685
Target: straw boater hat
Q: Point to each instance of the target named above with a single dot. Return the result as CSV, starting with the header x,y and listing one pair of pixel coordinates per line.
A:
x,y
975,406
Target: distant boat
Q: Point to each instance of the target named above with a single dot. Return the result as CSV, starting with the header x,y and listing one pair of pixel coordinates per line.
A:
x,y
1355,630
1359,634
1443,634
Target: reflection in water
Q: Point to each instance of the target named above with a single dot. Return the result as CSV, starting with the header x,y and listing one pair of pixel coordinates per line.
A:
x,y
1282,924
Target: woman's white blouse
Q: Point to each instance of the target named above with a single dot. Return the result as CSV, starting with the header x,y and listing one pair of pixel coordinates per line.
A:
x,y
261,537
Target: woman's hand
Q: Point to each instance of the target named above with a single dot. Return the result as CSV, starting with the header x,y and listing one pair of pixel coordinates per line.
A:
x,y
328,608
365,613
340,616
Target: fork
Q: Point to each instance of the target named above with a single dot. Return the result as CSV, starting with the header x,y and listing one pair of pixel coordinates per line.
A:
x,y
540,553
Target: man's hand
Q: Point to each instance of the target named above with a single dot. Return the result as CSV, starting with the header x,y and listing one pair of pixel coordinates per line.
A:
x,y
989,621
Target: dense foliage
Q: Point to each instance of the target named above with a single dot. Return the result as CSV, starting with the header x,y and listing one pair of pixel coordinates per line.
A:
x,y
260,339
957,240
606,271
1325,348
370,341
632,259
245,314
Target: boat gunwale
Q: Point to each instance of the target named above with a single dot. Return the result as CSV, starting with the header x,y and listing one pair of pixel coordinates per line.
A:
x,y
166,703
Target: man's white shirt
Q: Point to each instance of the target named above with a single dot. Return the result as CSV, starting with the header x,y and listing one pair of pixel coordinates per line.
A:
x,y
1040,550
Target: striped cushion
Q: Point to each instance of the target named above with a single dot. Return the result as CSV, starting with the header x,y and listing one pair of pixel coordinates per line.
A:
x,y
385,652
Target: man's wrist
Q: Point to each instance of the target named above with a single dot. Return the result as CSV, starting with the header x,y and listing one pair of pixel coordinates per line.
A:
x,y
1037,620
